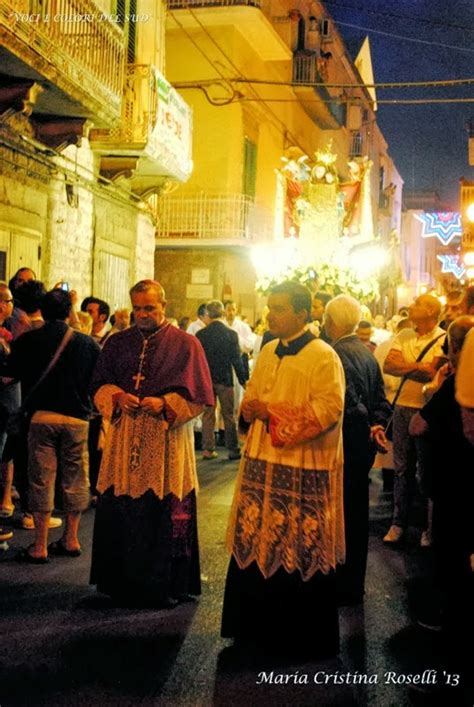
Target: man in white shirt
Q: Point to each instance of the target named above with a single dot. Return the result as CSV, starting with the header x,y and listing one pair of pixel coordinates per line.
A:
x,y
246,336
402,362
246,343
201,321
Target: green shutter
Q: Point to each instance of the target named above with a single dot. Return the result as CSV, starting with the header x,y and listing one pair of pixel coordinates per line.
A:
x,y
250,168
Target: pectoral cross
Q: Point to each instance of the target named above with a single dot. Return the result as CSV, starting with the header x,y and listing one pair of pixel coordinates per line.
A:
x,y
138,378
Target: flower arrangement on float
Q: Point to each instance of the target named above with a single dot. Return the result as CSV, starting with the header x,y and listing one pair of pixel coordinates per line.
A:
x,y
324,277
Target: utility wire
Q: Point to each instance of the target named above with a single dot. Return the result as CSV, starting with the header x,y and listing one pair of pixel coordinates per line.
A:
x,y
405,101
278,122
368,11
216,68
387,85
405,39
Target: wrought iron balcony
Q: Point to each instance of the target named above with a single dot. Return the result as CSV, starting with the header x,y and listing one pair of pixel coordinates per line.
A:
x,y
71,44
224,219
324,109
155,132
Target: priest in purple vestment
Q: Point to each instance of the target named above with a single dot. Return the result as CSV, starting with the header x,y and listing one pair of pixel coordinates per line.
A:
x,y
150,381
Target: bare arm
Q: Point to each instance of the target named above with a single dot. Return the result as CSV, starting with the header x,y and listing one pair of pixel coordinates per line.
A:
x,y
396,365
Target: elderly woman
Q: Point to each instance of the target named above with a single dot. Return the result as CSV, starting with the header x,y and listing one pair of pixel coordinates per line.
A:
x,y
366,412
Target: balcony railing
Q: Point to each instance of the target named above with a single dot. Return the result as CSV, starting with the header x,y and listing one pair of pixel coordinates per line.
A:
x,y
220,217
306,71
156,125
72,40
139,109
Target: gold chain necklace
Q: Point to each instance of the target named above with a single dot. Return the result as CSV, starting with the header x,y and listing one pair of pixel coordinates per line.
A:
x,y
139,377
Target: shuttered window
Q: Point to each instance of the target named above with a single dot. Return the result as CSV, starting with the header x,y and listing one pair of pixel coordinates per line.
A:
x,y
250,168
128,9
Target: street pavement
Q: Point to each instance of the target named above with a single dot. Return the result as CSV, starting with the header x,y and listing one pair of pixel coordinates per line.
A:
x,y
64,644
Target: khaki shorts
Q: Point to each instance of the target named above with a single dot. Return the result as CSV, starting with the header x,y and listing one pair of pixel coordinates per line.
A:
x,y
58,444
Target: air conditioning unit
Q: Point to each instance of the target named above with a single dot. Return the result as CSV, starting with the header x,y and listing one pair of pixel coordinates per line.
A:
x,y
325,29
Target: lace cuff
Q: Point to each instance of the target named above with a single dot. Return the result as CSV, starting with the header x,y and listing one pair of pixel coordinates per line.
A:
x,y
105,399
178,411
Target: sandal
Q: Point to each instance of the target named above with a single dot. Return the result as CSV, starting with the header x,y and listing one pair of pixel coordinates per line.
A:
x,y
6,511
57,548
25,556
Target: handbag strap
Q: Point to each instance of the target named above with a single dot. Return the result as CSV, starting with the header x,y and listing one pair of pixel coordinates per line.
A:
x,y
64,342
421,355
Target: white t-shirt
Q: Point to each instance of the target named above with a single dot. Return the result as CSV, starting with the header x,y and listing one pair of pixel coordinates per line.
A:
x,y
380,335
391,383
411,345
195,326
246,336
465,373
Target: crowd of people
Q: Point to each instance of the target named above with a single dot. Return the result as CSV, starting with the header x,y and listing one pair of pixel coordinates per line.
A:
x,y
317,391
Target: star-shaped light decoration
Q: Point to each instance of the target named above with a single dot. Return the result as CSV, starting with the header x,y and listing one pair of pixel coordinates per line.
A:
x,y
450,263
445,225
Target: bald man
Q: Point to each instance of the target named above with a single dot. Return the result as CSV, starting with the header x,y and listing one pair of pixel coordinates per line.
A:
x,y
414,358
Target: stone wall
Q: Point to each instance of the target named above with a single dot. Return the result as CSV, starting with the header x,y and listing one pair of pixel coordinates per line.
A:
x,y
230,276
74,221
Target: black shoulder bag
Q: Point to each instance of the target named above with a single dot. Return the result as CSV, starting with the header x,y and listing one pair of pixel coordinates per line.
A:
x,y
422,354
19,421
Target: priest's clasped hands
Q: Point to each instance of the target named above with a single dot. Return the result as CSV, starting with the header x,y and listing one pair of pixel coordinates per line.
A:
x,y
254,409
130,404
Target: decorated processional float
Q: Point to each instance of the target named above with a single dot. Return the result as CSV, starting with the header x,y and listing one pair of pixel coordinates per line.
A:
x,y
326,240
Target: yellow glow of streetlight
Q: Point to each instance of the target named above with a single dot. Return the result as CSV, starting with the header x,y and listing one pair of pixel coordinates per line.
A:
x,y
470,273
468,258
470,212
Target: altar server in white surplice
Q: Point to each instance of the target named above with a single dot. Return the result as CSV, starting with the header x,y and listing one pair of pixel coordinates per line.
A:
x,y
286,531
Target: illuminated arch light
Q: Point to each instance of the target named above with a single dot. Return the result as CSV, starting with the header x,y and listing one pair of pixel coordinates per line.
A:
x,y
444,225
451,264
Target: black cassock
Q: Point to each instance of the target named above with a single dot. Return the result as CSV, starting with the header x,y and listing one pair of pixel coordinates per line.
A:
x,y
365,405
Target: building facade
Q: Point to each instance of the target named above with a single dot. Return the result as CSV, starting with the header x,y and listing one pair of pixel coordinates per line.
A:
x,y
265,81
87,133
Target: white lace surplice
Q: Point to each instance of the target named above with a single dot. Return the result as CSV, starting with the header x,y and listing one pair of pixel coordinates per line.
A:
x,y
143,452
288,508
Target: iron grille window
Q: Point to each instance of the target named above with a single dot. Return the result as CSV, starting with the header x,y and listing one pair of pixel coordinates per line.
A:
x,y
356,144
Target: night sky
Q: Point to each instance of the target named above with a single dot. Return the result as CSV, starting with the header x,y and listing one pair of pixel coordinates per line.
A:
x,y
428,143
